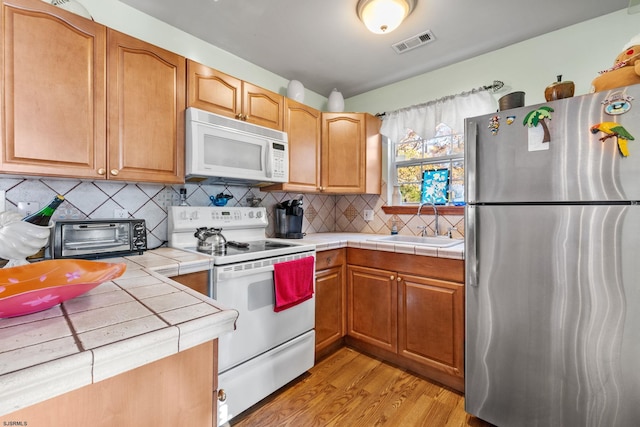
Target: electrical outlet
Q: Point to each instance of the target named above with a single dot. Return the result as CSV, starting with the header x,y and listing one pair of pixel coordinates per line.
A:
x,y
120,213
368,214
27,208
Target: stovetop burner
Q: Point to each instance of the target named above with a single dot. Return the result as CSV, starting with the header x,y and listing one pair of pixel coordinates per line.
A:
x,y
235,248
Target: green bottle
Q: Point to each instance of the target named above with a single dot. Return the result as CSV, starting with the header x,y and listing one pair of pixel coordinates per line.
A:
x,y
43,216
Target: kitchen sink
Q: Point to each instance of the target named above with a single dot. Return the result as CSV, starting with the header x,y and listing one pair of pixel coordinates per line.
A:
x,y
436,242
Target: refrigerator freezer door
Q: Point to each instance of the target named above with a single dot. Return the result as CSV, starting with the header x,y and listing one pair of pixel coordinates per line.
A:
x,y
576,167
552,324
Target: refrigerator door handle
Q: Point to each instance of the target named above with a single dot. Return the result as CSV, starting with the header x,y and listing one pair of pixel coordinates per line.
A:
x,y
470,161
471,247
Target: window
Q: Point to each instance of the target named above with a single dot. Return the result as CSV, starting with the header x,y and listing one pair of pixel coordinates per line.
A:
x,y
413,154
431,136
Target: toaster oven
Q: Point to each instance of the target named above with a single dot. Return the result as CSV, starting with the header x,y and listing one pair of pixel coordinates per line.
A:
x,y
98,238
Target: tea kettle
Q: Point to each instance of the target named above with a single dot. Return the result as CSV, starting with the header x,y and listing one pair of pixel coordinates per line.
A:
x,y
211,240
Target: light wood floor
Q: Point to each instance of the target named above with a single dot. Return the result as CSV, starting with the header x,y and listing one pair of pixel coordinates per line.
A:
x,y
351,389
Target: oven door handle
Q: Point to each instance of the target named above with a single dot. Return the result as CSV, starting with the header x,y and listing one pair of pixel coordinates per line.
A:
x,y
226,275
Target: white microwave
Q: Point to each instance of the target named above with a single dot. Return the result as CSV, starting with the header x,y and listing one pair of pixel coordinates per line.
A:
x,y
224,150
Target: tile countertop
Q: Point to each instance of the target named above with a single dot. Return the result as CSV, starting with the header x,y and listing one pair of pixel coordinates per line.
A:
x,y
136,319
326,241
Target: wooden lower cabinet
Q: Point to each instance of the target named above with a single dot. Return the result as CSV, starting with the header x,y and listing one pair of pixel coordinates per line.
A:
x,y
198,281
176,390
430,323
330,298
409,310
372,315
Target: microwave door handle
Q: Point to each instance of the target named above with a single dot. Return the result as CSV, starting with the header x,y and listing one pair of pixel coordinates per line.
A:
x,y
268,165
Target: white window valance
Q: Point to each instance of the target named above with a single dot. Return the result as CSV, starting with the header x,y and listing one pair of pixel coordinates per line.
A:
x,y
423,119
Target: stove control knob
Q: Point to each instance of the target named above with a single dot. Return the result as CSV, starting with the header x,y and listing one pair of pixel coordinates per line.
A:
x,y
259,214
250,214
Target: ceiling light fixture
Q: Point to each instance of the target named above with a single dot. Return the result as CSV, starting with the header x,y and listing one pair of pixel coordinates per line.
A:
x,y
384,16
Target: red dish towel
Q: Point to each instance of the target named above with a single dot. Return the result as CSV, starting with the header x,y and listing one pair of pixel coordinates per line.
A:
x,y
293,282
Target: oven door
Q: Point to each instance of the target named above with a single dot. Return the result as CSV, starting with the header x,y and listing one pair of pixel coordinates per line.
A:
x,y
249,288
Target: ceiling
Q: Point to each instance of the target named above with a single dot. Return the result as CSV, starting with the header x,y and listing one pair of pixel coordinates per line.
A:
x,y
323,44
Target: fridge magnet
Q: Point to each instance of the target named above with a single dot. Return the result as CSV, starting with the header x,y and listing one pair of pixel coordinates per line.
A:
x,y
510,119
539,137
611,130
435,186
494,125
618,103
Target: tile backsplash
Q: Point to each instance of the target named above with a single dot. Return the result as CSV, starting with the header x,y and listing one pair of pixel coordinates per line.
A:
x,y
99,199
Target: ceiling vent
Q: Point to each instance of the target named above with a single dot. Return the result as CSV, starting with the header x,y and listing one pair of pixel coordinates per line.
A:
x,y
414,42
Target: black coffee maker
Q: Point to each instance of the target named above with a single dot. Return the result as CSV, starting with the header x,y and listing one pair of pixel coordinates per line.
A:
x,y
289,219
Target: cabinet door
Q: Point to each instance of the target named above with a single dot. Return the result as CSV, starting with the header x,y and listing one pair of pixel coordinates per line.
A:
x,y
262,107
214,91
146,101
351,153
302,124
330,307
431,323
343,153
372,306
54,119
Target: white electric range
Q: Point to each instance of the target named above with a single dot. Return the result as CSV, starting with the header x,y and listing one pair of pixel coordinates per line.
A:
x,y
268,349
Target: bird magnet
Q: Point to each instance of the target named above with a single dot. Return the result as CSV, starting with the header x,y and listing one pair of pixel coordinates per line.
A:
x,y
539,137
494,125
618,103
617,131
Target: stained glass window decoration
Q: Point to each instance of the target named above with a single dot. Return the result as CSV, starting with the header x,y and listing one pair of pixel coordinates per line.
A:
x,y
435,186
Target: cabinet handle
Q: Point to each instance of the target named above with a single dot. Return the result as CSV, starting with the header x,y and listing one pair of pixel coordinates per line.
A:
x,y
102,171
245,117
392,277
222,395
239,116
114,172
399,278
328,260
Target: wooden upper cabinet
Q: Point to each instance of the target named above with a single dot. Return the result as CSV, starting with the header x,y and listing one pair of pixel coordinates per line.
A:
x,y
67,80
217,92
146,111
54,119
212,90
351,153
302,125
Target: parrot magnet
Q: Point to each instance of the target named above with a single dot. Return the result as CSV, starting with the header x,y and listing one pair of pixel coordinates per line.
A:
x,y
611,130
539,137
494,125
618,103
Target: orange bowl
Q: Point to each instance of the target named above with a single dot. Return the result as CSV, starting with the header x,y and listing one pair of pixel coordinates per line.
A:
x,y
35,287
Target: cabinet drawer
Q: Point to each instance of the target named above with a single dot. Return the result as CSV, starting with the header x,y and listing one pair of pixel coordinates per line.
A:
x,y
331,258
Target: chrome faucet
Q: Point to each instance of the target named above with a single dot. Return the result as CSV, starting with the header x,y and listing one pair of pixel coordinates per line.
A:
x,y
435,211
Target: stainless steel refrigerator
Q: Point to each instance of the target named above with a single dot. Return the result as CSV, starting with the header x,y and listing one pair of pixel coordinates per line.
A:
x,y
553,263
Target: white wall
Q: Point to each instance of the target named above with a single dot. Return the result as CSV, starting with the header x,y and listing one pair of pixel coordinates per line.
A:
x,y
128,20
577,52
